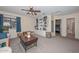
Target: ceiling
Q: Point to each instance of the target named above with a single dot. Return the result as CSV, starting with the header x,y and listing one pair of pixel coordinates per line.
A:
x,y
54,10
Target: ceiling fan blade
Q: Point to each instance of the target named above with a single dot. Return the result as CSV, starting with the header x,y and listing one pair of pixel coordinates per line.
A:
x,y
32,13
24,10
37,11
28,13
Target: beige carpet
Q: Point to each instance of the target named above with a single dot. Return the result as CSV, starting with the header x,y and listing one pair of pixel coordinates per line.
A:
x,y
48,45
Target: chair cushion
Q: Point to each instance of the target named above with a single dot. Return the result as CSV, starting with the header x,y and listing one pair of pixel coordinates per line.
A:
x,y
3,35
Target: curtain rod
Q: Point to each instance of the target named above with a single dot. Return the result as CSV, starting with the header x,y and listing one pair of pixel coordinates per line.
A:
x,y
9,18
8,15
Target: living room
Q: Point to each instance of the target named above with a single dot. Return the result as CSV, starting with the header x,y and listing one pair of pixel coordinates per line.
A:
x,y
42,23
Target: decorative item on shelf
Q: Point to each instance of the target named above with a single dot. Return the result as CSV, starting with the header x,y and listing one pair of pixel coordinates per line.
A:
x,y
40,19
44,28
40,22
45,25
40,28
45,18
37,20
45,22
36,26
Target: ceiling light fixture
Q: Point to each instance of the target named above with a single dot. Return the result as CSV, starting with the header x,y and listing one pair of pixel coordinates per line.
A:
x,y
31,11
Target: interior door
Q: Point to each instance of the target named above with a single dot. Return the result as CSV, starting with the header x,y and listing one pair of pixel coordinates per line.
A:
x,y
52,26
71,28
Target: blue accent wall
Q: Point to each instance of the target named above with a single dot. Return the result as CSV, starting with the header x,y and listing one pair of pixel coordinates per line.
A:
x,y
18,24
1,22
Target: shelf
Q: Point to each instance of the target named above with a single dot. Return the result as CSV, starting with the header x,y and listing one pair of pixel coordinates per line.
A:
x,y
42,23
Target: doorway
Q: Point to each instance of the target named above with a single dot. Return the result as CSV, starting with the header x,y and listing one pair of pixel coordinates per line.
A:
x,y
58,27
71,28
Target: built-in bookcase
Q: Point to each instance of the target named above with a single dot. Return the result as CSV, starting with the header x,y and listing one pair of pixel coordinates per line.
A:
x,y
41,24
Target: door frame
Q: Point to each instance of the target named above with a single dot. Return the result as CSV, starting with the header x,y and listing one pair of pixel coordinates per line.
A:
x,y
67,27
60,26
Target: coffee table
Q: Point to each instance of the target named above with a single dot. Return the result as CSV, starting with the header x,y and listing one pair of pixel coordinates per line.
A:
x,y
27,42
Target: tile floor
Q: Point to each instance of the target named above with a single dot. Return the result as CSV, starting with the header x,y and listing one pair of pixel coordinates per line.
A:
x,y
48,45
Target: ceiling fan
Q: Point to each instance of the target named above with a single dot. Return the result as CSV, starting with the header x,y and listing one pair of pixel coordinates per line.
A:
x,y
32,11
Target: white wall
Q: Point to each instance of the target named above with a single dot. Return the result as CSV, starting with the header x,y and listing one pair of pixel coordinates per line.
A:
x,y
27,23
40,32
77,27
63,24
48,23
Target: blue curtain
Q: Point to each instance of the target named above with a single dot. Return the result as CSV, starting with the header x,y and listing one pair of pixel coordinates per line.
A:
x,y
18,24
1,23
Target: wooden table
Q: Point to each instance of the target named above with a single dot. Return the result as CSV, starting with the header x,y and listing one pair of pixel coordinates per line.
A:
x,y
27,42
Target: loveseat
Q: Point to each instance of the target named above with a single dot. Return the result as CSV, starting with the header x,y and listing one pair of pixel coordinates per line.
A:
x,y
27,42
